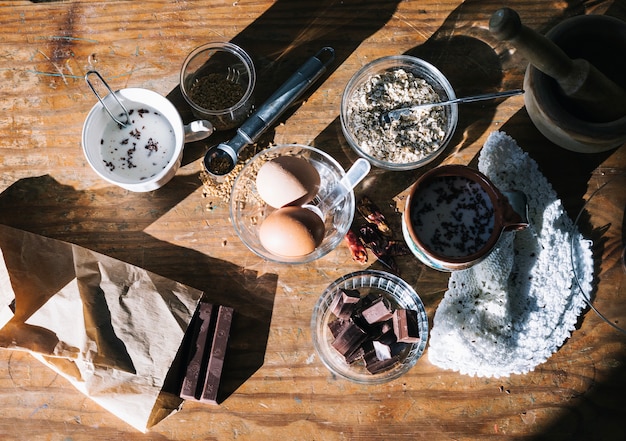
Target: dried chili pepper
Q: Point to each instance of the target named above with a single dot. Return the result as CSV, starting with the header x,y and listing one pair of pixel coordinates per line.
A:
x,y
374,240
397,248
357,249
372,214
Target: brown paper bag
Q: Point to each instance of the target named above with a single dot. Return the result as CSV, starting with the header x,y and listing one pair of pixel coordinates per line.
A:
x,y
112,329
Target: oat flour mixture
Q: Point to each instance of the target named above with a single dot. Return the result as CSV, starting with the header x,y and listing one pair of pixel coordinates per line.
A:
x,y
511,312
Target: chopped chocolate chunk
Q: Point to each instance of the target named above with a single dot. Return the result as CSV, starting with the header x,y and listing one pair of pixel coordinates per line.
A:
x,y
373,330
349,339
369,299
336,326
398,348
344,303
387,336
377,357
378,311
356,355
405,325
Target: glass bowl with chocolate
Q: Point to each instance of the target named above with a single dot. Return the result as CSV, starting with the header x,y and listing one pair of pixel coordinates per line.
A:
x,y
369,327
377,118
273,204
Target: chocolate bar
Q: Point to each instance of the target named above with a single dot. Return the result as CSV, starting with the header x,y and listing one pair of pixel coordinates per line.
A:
x,y
405,325
194,365
206,360
218,353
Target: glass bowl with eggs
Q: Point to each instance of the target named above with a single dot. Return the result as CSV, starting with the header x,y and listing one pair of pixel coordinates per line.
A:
x,y
369,327
272,204
411,138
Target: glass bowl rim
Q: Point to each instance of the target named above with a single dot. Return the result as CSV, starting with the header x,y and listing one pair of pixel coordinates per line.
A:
x,y
321,313
317,254
371,68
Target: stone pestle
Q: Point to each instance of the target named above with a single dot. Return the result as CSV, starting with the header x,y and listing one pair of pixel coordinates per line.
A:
x,y
579,81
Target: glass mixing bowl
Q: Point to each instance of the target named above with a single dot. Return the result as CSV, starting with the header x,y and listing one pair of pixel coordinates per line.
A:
x,y
248,210
407,143
399,293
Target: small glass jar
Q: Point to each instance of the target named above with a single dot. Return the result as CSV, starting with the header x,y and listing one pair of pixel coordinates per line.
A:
x,y
217,80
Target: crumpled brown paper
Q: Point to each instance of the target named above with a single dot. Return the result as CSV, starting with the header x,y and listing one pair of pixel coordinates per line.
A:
x,y
112,329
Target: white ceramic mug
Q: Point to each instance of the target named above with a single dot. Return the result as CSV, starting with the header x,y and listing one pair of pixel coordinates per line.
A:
x,y
146,153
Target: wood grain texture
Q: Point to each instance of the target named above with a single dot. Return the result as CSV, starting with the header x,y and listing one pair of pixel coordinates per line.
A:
x,y
277,387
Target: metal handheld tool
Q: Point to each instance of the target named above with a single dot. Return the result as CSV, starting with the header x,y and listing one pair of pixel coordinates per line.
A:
x,y
93,89
392,115
221,159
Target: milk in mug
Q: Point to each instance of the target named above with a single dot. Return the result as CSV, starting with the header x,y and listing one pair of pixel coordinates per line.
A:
x,y
140,150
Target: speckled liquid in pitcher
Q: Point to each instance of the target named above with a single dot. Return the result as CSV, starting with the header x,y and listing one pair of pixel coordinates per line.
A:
x,y
453,216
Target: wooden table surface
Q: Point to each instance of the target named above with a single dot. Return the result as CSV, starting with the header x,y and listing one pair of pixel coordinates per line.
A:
x,y
277,388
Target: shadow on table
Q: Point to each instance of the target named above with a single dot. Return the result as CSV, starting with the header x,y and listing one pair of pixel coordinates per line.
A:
x,y
283,38
465,52
474,62
111,221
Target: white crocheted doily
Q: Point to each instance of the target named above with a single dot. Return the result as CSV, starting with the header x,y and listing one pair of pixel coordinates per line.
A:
x,y
512,311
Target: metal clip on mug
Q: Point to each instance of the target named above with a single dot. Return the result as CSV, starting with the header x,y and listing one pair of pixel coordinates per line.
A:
x,y
454,217
221,159
144,169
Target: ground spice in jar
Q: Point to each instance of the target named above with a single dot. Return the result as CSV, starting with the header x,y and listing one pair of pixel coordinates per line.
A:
x,y
410,138
215,92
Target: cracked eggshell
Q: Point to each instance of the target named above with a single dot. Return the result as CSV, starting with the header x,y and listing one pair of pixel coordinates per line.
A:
x,y
287,180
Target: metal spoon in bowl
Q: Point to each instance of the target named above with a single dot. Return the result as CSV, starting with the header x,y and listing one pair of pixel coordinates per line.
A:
x,y
393,115
353,176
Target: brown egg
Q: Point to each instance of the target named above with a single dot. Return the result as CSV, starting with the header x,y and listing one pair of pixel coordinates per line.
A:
x,y
287,180
292,232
